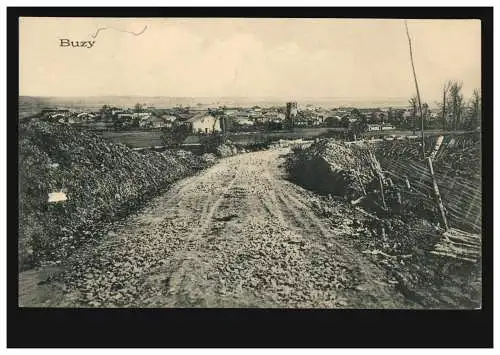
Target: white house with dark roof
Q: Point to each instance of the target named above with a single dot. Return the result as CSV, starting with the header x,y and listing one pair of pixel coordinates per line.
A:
x,y
204,123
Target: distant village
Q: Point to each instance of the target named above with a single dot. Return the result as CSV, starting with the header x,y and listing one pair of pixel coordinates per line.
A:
x,y
236,119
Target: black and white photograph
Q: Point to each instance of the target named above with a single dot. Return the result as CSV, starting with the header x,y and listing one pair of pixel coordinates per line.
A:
x,y
289,163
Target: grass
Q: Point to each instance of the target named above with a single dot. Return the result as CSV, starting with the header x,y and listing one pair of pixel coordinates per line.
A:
x,y
134,139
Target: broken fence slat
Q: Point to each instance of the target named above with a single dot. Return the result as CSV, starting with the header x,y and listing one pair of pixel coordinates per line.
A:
x,y
367,214
453,256
457,251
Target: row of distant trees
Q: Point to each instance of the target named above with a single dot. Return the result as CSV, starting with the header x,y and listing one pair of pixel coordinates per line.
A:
x,y
455,111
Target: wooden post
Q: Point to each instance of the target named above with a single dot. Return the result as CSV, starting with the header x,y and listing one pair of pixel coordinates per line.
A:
x,y
398,194
378,170
418,92
407,183
360,182
439,141
437,194
382,191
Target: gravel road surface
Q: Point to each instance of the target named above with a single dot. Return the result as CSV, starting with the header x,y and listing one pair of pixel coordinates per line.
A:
x,y
235,235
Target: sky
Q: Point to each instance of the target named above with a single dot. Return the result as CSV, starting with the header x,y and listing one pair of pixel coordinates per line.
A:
x,y
279,58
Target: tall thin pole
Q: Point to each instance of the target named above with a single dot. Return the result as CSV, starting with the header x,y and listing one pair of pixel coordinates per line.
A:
x,y
416,87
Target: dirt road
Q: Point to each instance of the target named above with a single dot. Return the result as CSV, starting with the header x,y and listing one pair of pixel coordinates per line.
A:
x,y
236,235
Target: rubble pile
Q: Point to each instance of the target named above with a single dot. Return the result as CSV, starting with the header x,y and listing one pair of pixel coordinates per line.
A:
x,y
226,149
404,246
209,158
195,161
404,176
101,182
329,167
400,224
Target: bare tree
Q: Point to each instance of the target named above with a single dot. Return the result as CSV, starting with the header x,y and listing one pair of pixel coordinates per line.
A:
x,y
425,112
413,105
456,103
475,106
446,89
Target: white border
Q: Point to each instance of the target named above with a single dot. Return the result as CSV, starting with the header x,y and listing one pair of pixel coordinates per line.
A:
x,y
3,151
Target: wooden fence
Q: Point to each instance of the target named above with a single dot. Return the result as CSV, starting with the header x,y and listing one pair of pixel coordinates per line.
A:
x,y
462,196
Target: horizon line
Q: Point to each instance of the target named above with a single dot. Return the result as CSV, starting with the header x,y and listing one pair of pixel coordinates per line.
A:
x,y
218,97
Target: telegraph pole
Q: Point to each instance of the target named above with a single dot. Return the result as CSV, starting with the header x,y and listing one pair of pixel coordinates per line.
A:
x,y
418,92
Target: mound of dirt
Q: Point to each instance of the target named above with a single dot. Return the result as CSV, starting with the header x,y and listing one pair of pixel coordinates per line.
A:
x,y
226,149
209,158
98,181
329,167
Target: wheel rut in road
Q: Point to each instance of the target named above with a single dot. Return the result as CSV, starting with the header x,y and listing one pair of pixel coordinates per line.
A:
x,y
235,235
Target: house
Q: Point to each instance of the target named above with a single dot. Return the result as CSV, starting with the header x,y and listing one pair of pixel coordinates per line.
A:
x,y
230,111
374,127
169,120
85,116
244,121
407,114
204,123
378,127
125,116
380,116
316,120
142,115
300,123
59,117
54,114
387,127
153,122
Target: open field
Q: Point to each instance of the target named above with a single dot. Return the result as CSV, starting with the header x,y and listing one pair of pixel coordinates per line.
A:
x,y
152,137
134,139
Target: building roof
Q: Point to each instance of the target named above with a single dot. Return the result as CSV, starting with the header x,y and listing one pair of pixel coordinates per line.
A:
x,y
198,117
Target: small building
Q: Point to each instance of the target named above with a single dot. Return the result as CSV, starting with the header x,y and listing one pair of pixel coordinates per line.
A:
x,y
280,116
204,123
54,114
59,117
153,122
407,114
231,111
142,115
244,121
125,116
387,128
85,116
158,122
374,127
169,118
